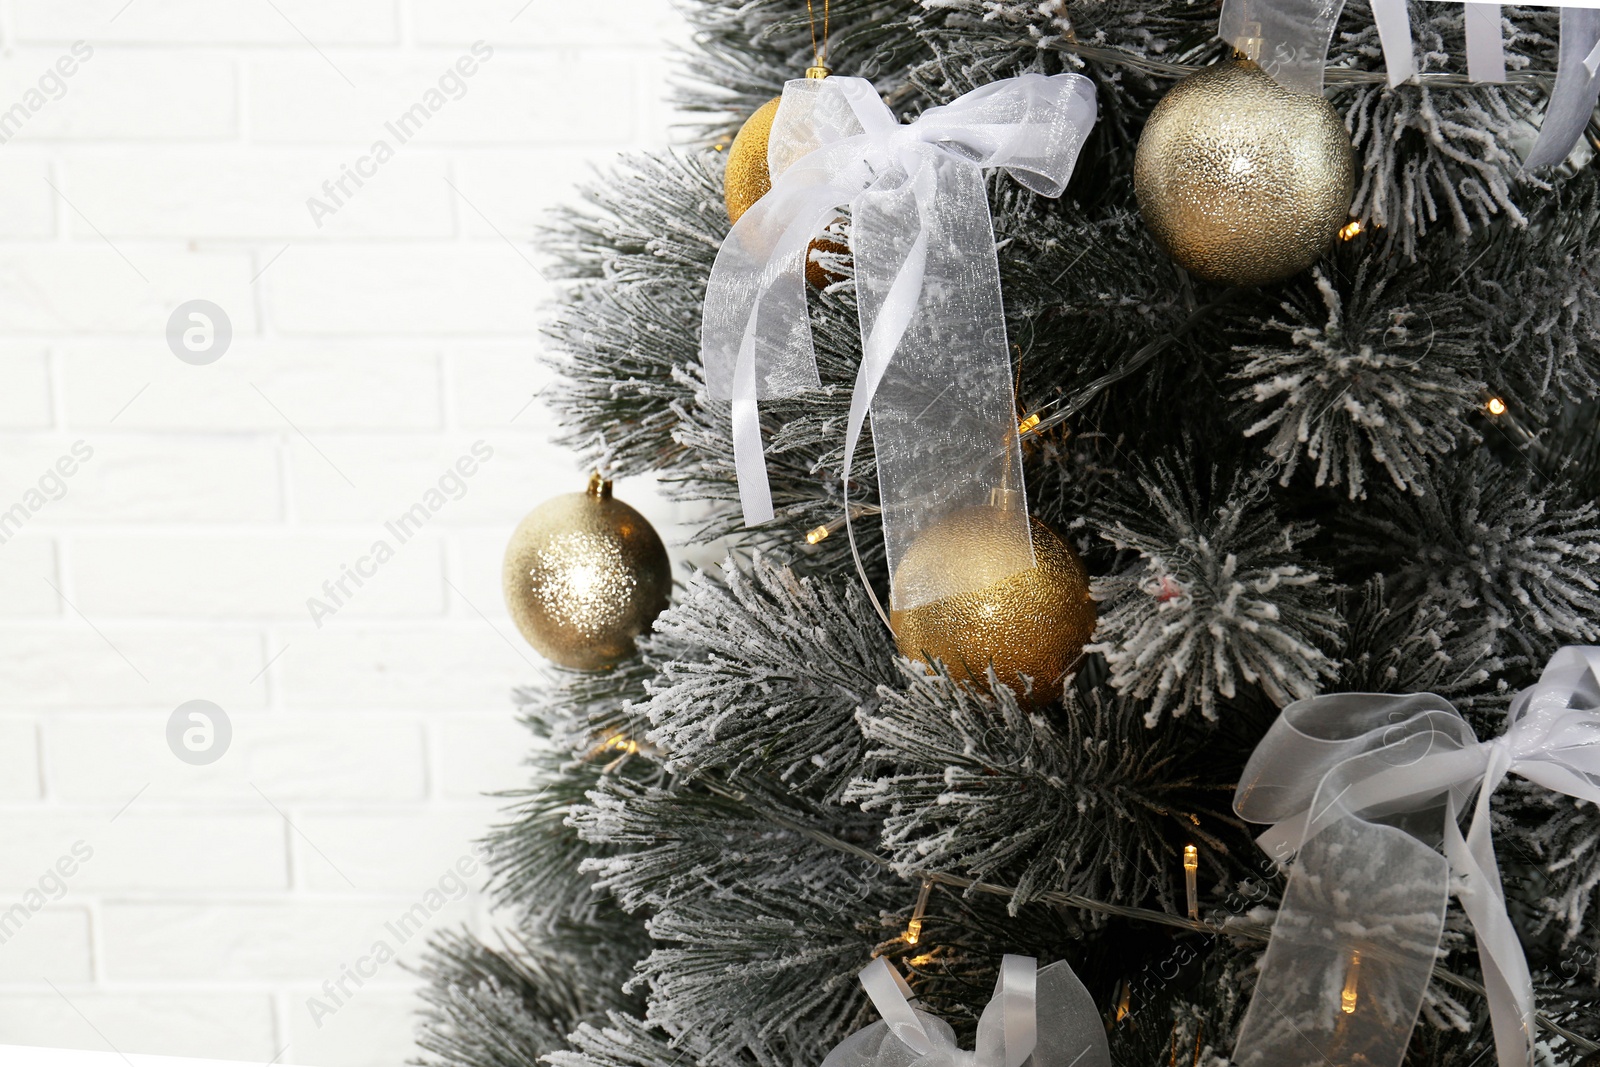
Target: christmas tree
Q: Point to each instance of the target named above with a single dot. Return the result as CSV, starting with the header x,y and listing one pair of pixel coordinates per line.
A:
x,y
1375,475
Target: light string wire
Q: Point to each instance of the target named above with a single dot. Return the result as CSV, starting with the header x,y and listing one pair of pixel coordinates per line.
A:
x,y
1332,75
1253,931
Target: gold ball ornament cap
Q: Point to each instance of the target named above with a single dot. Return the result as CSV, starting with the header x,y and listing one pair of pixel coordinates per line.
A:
x,y
584,575
1242,181
1032,623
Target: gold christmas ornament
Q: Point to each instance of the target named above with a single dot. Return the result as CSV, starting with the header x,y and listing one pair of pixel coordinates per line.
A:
x,y
1242,181
748,178
584,575
1034,623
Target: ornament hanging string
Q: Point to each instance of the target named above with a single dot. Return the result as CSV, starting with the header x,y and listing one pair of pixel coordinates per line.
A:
x,y
819,57
936,369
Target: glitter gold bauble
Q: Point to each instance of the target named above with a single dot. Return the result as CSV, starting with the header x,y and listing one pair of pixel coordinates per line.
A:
x,y
584,575
1242,181
1032,623
748,178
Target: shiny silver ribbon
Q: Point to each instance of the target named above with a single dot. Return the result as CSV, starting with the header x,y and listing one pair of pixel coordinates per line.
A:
x,y
936,368
1364,789
1046,1014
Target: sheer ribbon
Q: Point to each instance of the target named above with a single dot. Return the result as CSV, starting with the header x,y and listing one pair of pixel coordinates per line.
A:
x,y
1292,37
936,369
1045,1014
1365,788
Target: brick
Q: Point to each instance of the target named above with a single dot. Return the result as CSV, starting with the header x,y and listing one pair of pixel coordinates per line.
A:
x,y
255,576
510,99
478,754
261,194
51,944
354,385
205,22
360,846
147,849
375,1028
208,941
187,1023
287,758
458,666
26,562
30,204
484,288
475,563
123,96
19,759
88,287
491,386
393,474
25,400
199,479
69,665
542,23
515,190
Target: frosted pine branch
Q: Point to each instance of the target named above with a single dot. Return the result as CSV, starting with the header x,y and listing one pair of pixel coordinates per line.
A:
x,y
1367,380
1485,540
1083,801
1218,597
762,671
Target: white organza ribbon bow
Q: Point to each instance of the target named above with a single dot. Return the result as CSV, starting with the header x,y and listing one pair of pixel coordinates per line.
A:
x,y
1047,1014
1366,788
935,369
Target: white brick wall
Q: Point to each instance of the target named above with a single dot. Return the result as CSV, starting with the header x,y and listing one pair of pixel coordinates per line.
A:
x,y
369,352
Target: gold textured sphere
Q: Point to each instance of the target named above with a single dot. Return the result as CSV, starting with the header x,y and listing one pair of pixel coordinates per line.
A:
x,y
1031,623
1241,180
584,575
747,178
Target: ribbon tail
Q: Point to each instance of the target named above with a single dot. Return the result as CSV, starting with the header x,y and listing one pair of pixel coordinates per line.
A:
x,y
1394,33
1486,50
749,459
944,418
1506,979
1315,999
1573,99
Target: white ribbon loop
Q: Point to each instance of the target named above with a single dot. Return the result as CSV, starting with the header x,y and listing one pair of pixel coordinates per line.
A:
x,y
1366,788
936,369
1572,100
1046,1014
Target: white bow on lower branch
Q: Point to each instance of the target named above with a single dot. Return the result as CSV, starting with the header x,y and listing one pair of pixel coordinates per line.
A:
x,y
1364,789
1046,1014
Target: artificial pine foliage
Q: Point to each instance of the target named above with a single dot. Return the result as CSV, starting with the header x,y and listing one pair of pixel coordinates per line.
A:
x,y
1280,492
